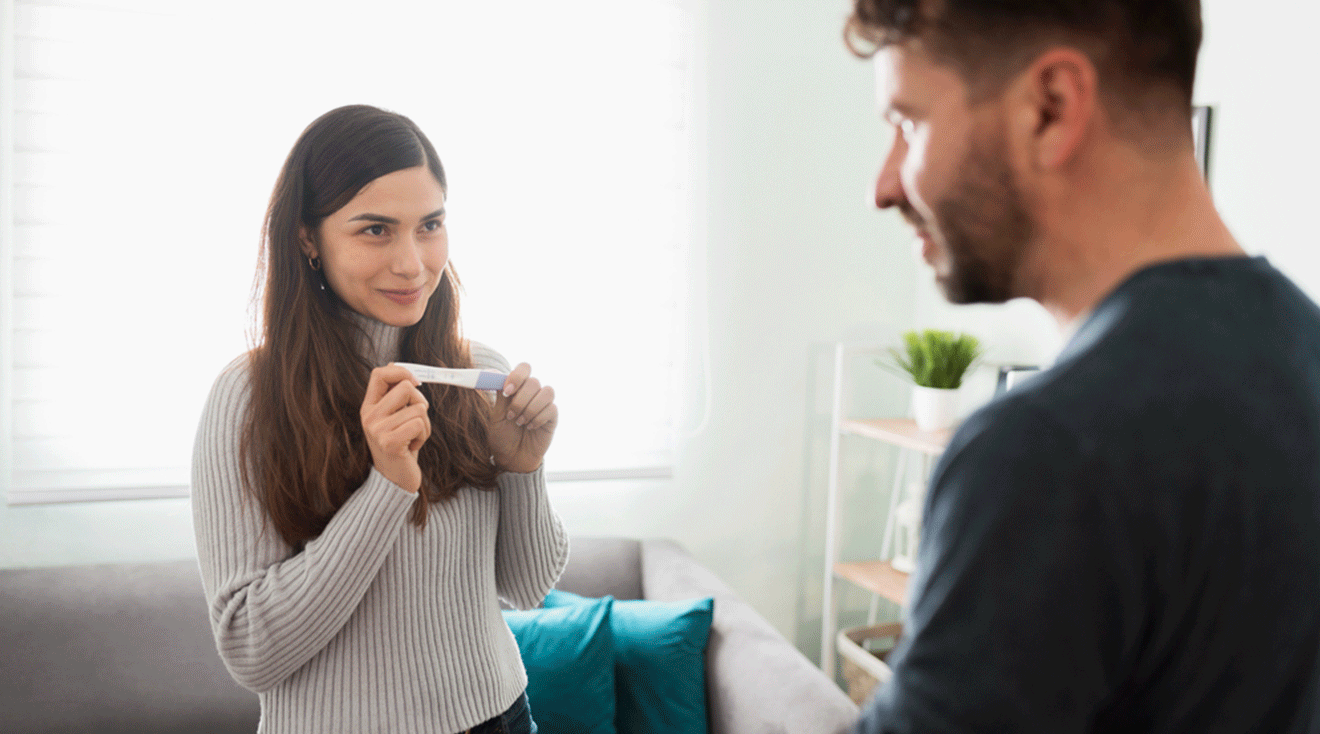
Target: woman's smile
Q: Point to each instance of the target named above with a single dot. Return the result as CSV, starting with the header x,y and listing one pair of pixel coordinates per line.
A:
x,y
403,297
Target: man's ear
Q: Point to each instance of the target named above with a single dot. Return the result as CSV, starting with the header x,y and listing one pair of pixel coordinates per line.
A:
x,y
308,242
1056,99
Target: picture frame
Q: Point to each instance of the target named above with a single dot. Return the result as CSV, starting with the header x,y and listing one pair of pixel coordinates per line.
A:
x,y
1202,125
1011,374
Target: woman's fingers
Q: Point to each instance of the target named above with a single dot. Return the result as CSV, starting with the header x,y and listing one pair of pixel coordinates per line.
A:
x,y
524,397
408,436
516,379
546,418
518,403
396,424
390,389
531,415
391,423
402,395
394,411
524,415
383,379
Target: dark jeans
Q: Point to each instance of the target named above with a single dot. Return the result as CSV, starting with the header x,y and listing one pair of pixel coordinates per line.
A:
x,y
517,720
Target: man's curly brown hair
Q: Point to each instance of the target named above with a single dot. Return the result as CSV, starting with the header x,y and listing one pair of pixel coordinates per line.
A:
x,y
1144,50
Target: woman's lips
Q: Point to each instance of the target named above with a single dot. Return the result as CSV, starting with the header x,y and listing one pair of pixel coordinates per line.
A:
x,y
403,297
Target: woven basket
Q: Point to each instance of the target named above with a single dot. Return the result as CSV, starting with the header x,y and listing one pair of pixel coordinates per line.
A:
x,y
864,670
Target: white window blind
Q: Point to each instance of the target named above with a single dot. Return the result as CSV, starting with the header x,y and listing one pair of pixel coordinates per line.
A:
x,y
147,135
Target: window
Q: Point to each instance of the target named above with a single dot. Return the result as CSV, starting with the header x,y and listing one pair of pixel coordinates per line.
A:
x,y
146,137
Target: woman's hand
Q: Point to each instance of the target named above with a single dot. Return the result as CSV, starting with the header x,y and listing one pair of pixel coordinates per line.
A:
x,y
395,422
522,422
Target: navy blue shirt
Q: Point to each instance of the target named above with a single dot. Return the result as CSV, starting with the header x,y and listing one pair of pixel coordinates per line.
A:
x,y
1130,540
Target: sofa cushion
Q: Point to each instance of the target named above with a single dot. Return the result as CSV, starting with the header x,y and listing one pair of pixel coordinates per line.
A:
x,y
660,665
569,656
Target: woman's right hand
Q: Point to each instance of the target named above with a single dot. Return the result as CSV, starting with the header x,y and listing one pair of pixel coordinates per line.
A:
x,y
395,422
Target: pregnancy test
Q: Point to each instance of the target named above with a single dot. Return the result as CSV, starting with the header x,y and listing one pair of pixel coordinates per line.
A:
x,y
476,379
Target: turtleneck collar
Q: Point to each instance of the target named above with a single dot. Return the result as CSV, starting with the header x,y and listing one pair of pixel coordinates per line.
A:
x,y
381,345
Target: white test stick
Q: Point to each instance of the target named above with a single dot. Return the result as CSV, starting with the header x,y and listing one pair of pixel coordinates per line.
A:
x,y
476,379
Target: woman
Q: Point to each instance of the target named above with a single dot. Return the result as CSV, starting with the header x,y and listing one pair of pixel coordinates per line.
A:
x,y
356,529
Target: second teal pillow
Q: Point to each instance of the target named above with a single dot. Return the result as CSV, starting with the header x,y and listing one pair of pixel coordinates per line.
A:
x,y
660,662
569,656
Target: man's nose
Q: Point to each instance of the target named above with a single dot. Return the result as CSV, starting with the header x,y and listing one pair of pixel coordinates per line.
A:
x,y
888,187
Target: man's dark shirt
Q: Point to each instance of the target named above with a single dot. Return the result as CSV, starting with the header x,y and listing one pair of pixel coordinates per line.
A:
x,y
1130,541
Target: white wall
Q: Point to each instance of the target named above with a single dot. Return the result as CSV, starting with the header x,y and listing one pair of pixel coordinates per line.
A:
x,y
793,259
1258,67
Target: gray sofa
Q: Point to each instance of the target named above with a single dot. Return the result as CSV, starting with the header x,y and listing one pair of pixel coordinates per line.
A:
x,y
127,648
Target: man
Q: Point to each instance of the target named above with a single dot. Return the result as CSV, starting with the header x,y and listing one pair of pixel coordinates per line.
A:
x,y
1130,541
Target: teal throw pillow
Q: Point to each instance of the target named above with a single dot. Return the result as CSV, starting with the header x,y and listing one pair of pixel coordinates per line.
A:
x,y
660,662
569,656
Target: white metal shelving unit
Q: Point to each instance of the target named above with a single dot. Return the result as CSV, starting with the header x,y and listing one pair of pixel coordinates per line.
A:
x,y
877,576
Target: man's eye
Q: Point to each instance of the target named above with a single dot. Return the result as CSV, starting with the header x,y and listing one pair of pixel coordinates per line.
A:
x,y
907,129
433,225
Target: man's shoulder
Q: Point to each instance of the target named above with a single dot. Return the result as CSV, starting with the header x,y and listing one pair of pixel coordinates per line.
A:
x,y
1192,333
1199,308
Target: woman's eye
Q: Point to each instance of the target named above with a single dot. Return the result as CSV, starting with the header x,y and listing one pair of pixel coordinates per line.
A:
x,y
375,230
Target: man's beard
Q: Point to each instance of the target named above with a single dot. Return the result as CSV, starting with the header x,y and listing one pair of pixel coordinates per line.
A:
x,y
985,229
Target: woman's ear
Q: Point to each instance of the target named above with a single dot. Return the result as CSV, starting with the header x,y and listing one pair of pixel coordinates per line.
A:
x,y
308,242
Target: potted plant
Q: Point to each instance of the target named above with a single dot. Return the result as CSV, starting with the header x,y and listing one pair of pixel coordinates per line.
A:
x,y
936,361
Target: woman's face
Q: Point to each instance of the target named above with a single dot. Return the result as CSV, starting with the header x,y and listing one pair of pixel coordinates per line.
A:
x,y
384,252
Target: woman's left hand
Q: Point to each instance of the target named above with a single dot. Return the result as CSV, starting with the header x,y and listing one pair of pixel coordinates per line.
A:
x,y
523,421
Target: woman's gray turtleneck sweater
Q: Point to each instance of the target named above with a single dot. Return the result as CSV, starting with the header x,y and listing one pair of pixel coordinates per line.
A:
x,y
375,625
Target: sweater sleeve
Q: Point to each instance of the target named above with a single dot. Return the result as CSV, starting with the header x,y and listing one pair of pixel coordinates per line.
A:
x,y
273,609
531,545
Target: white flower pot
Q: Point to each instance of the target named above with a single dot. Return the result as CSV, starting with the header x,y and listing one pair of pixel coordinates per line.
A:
x,y
934,408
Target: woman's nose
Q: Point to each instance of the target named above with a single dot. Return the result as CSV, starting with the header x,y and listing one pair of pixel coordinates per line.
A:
x,y
407,260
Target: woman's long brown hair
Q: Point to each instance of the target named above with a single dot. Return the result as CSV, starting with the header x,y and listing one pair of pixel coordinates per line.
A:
x,y
302,445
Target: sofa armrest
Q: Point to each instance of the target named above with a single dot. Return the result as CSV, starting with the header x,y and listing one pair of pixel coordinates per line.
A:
x,y
756,681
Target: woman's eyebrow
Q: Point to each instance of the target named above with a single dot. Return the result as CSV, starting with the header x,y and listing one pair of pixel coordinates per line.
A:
x,y
374,218
391,220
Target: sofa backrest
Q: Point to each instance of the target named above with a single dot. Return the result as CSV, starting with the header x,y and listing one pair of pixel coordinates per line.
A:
x,y
601,566
128,648
122,648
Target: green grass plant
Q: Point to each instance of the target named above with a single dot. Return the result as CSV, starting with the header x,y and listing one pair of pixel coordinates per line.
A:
x,y
939,359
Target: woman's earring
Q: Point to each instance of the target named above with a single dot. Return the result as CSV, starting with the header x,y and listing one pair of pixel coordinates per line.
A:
x,y
314,263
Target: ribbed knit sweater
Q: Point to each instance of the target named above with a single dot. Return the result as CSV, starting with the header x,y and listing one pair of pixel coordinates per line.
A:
x,y
375,625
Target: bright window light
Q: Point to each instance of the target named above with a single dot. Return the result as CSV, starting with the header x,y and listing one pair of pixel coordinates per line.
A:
x,y
147,138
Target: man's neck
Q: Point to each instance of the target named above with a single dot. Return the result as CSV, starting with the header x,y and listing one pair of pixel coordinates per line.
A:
x,y
1127,217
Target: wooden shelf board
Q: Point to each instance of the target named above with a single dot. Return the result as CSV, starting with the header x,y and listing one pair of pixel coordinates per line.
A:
x,y
900,432
877,577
